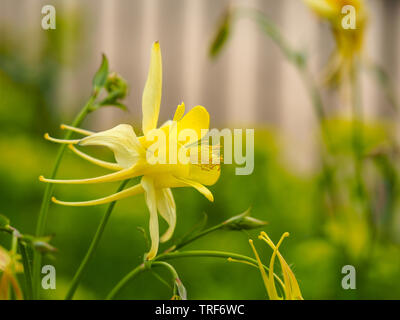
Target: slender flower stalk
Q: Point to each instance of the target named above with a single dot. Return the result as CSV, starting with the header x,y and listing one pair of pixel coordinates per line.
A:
x,y
40,228
27,271
229,256
242,221
93,246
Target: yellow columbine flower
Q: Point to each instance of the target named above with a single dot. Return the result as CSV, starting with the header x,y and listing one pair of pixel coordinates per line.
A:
x,y
9,266
134,156
349,42
290,286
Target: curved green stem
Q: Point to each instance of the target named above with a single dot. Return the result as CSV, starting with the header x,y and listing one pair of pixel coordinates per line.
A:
x,y
42,218
139,269
212,254
135,272
185,254
27,271
199,235
93,246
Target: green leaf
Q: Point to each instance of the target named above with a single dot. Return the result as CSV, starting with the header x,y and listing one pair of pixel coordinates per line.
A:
x,y
222,35
4,221
100,78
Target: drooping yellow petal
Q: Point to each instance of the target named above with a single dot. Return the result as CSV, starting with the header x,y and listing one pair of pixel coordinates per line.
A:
x,y
137,189
167,209
150,197
101,163
151,98
206,167
198,186
121,140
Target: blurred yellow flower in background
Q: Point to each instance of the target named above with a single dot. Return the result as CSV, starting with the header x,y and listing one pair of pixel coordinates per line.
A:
x,y
135,156
349,41
9,267
290,286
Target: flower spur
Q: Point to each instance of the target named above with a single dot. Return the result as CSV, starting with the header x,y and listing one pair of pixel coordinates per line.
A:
x,y
135,156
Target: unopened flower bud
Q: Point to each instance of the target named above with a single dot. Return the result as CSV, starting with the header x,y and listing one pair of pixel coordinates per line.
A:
x,y
116,86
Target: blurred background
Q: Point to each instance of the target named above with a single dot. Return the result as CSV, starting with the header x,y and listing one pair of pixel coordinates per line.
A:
x,y
45,78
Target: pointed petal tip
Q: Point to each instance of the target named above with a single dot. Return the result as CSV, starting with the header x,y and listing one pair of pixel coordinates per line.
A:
x,y
150,256
156,45
165,237
210,197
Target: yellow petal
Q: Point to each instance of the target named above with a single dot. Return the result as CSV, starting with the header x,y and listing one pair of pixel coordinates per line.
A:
x,y
150,197
323,8
151,98
77,130
4,258
180,111
198,186
137,189
132,172
101,163
198,120
167,209
205,168
62,141
121,140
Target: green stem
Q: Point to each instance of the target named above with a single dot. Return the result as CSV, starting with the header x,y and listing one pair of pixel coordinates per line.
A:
x,y
135,272
42,218
199,235
358,139
131,275
27,270
185,254
93,246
